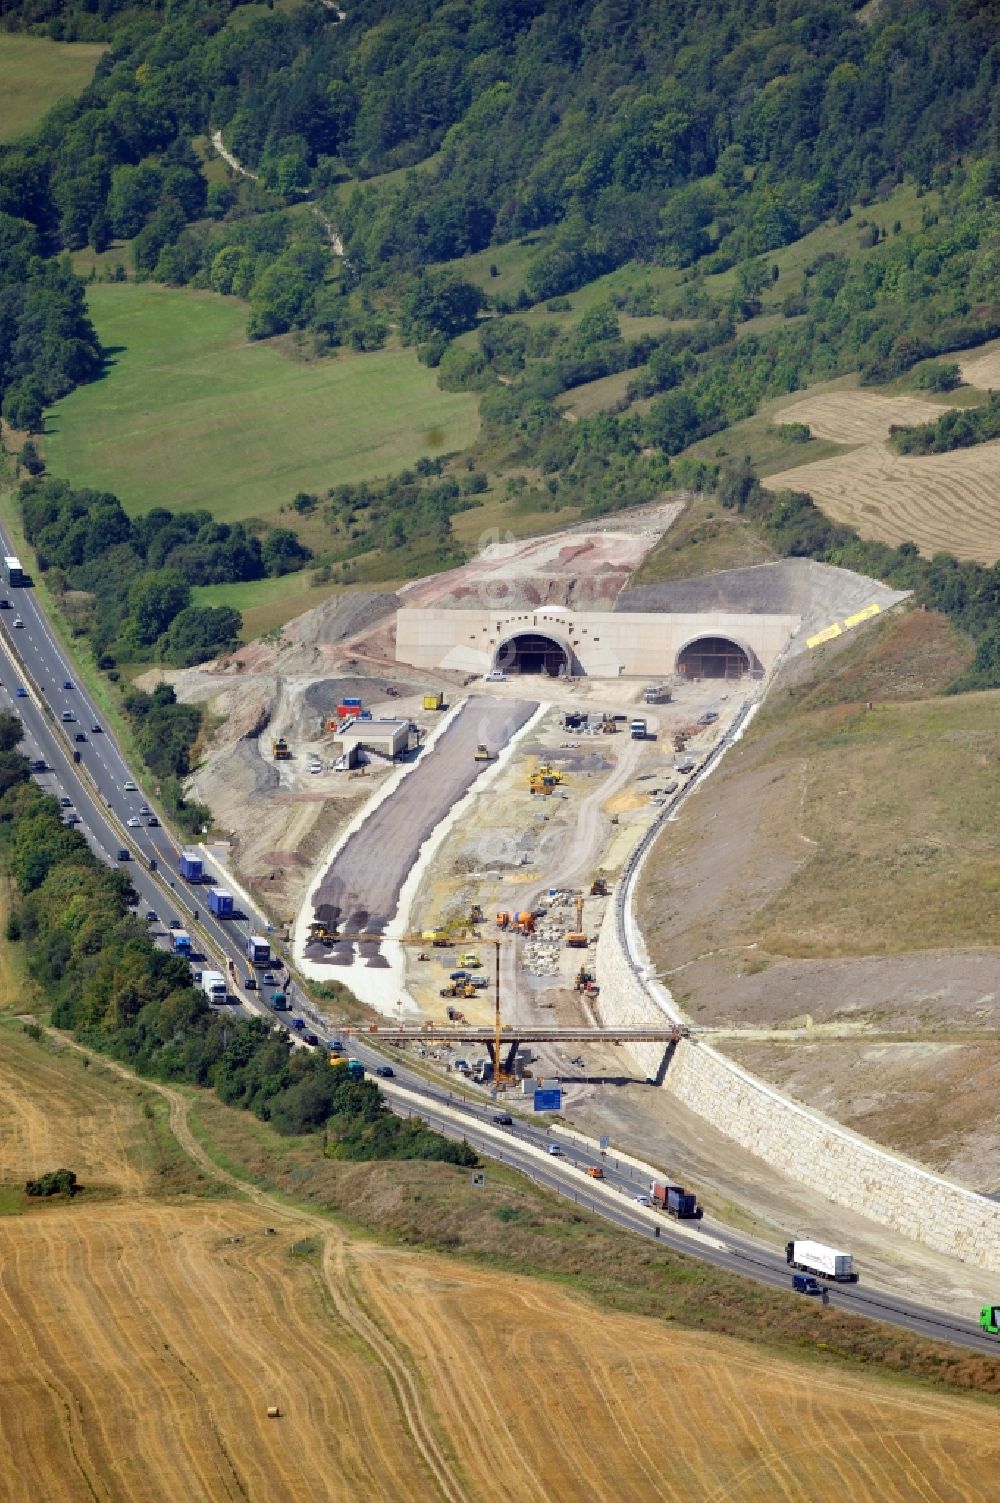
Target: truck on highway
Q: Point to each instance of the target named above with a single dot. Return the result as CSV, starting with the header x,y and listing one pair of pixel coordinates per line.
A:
x,y
220,902
213,984
816,1257
180,941
278,1001
989,1319
258,950
355,1069
675,1200
190,866
13,570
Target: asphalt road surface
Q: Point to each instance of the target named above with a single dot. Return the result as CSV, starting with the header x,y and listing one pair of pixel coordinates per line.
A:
x,y
360,889
96,790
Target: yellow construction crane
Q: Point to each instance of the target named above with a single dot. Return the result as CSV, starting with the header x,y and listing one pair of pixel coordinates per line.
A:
x,y
331,935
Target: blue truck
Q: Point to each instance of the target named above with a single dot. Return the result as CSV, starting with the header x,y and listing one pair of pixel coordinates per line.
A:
x,y
355,1069
220,902
181,941
190,867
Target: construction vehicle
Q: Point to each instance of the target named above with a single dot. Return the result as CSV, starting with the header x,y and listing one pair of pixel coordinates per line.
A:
x,y
458,989
576,939
475,915
680,740
541,785
280,751
454,1016
599,887
321,933
584,981
608,726
483,753
516,923
544,770
437,937
470,958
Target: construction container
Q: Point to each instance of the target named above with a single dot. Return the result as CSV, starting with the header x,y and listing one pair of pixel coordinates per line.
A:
x,y
220,902
190,866
433,701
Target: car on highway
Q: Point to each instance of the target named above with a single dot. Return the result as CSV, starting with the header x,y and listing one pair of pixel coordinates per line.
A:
x,y
555,1150
73,819
595,1171
152,917
67,683
386,1071
18,621
39,765
175,924
4,604
79,736
67,716
152,821
67,803
129,786
96,728
503,1119
251,983
22,692
133,823
270,979
312,1039
804,1283
298,1023
642,1200
123,854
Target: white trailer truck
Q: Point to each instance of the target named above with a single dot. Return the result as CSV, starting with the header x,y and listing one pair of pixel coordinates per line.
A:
x,y
213,984
816,1257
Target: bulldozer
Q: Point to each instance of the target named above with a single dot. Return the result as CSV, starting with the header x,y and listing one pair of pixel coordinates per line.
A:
x,y
576,939
599,887
544,770
482,753
457,989
279,750
322,933
541,785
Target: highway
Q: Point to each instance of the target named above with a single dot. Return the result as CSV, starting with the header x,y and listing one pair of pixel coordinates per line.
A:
x,y
99,797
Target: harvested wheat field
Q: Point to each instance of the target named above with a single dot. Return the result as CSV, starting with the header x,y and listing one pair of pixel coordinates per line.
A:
x,y
54,1112
141,1348
982,369
546,1398
942,502
858,417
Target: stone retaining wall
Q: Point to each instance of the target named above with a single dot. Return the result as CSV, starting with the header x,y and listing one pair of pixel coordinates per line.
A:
x,y
848,1169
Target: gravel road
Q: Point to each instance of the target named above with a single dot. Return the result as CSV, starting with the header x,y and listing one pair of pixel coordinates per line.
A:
x,y
361,888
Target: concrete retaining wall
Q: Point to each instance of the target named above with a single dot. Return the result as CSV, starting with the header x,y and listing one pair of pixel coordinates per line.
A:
x,y
820,1153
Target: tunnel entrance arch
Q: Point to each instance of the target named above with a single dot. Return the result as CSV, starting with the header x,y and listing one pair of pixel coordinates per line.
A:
x,y
713,657
534,653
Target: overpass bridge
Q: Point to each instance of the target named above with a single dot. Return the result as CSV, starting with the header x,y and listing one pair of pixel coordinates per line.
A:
x,y
502,1045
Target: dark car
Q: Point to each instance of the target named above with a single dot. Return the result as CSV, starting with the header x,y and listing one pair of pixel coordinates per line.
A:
x,y
66,803
175,923
251,983
96,728
67,684
79,736
39,765
804,1283
123,854
22,692
312,1039
152,821
5,604
386,1071
503,1119
152,917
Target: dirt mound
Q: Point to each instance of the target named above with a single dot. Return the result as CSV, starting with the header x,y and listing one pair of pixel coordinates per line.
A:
x,y
819,593
326,694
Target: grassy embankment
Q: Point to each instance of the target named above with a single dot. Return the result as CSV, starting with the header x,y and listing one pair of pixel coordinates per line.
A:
x,y
35,74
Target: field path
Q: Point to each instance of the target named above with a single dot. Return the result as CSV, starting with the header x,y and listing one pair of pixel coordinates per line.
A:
x,y
337,1268
234,162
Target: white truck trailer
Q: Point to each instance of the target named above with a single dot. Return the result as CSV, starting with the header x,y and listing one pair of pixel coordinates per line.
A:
x,y
816,1257
213,984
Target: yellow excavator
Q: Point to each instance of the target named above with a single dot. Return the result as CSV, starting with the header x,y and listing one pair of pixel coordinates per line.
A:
x,y
576,939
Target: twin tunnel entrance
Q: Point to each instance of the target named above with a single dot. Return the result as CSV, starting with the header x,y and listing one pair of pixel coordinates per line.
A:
x,y
535,654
